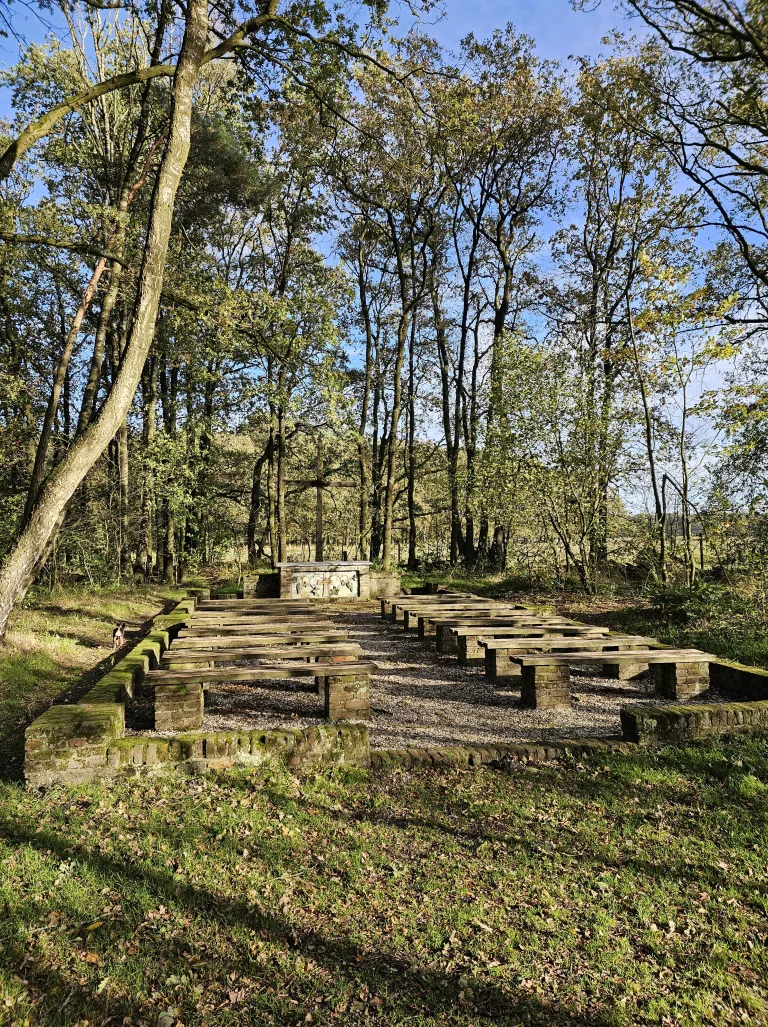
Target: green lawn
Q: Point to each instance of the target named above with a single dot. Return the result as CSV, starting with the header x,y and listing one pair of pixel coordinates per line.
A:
x,y
625,890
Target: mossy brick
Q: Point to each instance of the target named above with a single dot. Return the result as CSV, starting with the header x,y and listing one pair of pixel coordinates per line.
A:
x,y
138,663
92,723
159,637
679,723
111,692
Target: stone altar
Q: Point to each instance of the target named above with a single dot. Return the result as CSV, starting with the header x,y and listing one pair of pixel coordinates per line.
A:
x,y
316,579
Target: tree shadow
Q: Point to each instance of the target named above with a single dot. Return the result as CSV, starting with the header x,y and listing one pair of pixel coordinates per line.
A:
x,y
408,987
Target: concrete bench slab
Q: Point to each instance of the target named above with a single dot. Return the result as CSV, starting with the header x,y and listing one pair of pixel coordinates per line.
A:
x,y
175,659
297,638
411,617
500,653
446,635
388,601
288,627
469,637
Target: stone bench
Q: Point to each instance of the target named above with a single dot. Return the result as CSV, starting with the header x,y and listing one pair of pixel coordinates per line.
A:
x,y
186,659
288,627
387,601
446,638
500,653
412,618
678,673
471,651
397,608
251,640
179,694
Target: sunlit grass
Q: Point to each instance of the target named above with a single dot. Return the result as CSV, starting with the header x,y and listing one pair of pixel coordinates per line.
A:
x,y
625,890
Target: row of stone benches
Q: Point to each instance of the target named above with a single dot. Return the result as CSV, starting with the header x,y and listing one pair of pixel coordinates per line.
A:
x,y
539,648
258,632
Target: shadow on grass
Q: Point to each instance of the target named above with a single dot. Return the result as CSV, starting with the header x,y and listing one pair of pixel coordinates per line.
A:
x,y
409,988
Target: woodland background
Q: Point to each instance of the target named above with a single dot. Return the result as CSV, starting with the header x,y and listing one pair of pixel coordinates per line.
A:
x,y
519,304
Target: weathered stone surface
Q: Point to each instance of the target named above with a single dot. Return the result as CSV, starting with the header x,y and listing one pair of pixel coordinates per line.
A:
x,y
179,707
680,681
68,744
347,697
545,687
649,724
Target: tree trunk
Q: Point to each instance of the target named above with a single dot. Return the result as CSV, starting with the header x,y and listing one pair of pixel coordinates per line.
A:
x,y
149,389
389,490
30,551
412,449
282,542
255,506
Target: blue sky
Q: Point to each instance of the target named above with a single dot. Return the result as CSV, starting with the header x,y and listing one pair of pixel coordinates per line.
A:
x,y
559,31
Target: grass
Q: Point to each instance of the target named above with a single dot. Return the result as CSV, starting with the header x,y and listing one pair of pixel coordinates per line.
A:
x,y
56,647
627,890
620,891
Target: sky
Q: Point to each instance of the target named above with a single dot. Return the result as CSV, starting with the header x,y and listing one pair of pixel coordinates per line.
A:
x,y
559,31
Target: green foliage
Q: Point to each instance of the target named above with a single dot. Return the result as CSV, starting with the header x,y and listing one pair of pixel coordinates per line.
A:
x,y
705,603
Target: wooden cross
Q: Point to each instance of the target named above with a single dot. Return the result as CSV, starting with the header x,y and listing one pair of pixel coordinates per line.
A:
x,y
320,482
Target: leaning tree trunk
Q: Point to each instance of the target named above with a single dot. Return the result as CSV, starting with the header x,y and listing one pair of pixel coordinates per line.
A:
x,y
26,557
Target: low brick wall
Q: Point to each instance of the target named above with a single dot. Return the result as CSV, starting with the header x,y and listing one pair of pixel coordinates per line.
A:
x,y
749,683
648,724
70,744
384,583
302,749
485,755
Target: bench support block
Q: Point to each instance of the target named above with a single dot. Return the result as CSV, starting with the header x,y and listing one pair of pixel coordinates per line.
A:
x,y
624,671
446,642
179,707
545,687
681,681
499,665
470,652
347,697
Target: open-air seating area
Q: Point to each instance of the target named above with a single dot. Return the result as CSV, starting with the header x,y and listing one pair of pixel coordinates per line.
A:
x,y
277,639
538,648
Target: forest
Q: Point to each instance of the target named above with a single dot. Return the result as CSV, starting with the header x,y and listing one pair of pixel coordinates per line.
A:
x,y
504,313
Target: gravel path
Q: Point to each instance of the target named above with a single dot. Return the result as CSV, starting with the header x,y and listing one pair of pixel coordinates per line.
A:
x,y
421,698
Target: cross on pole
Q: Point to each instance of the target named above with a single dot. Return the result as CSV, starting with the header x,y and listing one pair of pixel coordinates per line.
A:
x,y
320,483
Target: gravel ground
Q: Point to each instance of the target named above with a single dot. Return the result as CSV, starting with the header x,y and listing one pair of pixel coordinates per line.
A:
x,y
420,698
